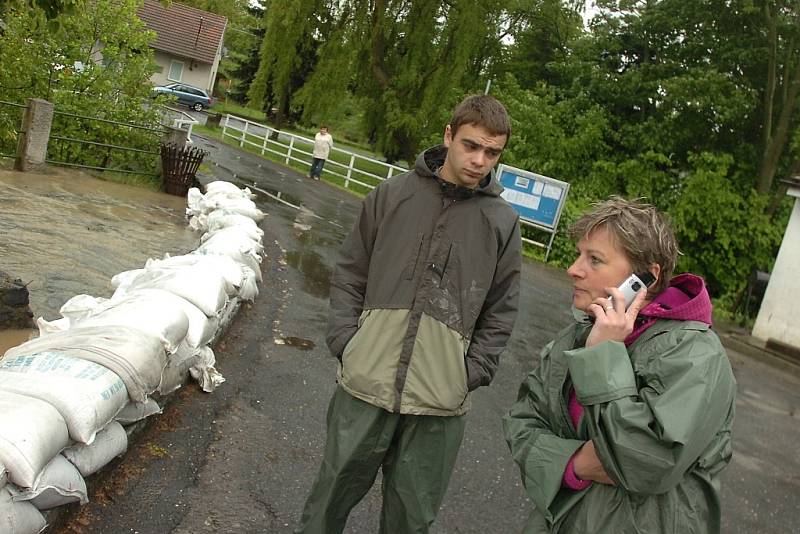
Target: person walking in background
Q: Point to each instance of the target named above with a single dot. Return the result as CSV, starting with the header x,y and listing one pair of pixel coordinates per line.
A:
x,y
323,142
626,423
423,300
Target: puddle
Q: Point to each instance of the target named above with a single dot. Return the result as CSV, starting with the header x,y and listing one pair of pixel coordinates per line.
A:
x,y
316,275
297,342
67,233
273,195
12,338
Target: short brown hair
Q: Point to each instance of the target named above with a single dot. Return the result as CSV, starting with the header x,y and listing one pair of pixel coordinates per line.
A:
x,y
482,110
644,234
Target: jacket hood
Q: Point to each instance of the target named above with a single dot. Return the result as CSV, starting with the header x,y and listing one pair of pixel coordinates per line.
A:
x,y
686,299
429,161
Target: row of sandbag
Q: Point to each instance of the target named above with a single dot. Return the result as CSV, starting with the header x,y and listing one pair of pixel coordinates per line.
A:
x,y
67,397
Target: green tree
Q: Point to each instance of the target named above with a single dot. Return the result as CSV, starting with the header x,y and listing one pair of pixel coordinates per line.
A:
x,y
95,62
292,32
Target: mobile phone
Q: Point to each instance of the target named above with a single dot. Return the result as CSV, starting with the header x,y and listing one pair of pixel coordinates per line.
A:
x,y
633,284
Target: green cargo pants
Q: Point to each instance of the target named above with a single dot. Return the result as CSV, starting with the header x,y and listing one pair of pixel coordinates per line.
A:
x,y
416,452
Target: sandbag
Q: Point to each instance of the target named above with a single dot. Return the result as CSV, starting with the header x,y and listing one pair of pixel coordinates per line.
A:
x,y
242,250
249,288
19,517
153,313
137,357
219,219
31,433
205,373
111,442
59,483
3,475
227,189
177,370
240,203
200,285
224,266
86,394
200,328
136,411
253,233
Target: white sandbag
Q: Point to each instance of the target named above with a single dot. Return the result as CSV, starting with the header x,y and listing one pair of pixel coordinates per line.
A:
x,y
125,278
198,222
177,370
205,373
137,357
48,327
153,313
136,411
227,189
252,233
201,327
239,202
86,394
80,306
240,250
249,288
59,483
219,219
241,206
31,433
200,285
194,202
19,517
235,235
224,266
111,442
3,475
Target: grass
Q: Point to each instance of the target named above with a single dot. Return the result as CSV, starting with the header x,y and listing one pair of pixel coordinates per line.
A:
x,y
222,107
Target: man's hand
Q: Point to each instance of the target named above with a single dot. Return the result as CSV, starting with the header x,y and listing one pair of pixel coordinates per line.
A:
x,y
588,467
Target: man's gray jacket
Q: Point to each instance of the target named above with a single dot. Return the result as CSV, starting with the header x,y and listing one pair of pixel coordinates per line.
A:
x,y
425,294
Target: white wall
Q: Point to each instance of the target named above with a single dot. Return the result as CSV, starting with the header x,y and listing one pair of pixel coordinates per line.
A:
x,y
778,319
198,75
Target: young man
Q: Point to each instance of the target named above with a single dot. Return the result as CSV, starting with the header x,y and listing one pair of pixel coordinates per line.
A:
x,y
323,142
423,300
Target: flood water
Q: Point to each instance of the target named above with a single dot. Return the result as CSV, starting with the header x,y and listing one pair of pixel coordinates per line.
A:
x,y
66,233
12,338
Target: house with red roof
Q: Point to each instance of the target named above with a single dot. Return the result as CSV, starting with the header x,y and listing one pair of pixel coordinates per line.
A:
x,y
188,45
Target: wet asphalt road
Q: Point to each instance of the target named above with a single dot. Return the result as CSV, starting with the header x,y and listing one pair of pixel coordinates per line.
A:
x,y
243,458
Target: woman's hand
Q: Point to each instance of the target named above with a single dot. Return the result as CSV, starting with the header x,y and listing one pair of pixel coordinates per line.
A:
x,y
612,322
588,467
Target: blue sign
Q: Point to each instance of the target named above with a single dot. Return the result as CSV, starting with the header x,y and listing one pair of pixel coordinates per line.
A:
x,y
538,199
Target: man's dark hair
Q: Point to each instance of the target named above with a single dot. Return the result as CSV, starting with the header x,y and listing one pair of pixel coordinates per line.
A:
x,y
482,110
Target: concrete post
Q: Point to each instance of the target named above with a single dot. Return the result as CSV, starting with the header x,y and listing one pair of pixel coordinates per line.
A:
x,y
179,136
32,146
174,135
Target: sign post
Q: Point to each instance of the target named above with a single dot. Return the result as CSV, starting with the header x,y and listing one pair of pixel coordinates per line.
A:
x,y
538,199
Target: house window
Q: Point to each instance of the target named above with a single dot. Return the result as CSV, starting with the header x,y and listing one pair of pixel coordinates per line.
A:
x,y
175,71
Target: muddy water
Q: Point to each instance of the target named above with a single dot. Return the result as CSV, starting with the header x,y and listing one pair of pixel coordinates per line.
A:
x,y
67,233
12,338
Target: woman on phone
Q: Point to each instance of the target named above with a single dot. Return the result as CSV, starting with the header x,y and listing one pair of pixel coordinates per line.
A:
x,y
626,423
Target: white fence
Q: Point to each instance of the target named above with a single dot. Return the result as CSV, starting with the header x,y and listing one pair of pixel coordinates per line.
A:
x,y
181,119
297,148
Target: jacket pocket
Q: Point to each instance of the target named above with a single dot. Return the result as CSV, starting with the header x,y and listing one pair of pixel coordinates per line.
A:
x,y
369,362
436,381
